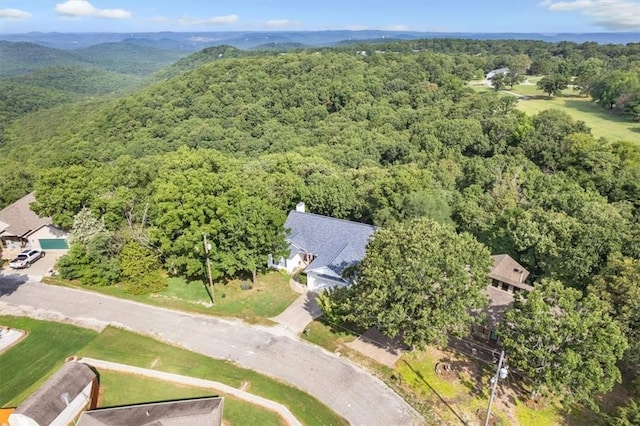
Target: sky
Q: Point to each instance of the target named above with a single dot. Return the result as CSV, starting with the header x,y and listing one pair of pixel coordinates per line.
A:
x,y
483,16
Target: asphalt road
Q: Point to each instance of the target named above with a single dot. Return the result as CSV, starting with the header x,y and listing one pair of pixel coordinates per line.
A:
x,y
349,390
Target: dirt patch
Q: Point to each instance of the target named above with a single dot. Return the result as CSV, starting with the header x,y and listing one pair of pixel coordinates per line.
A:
x,y
476,375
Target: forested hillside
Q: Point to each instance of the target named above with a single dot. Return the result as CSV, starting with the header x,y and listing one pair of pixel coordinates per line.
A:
x,y
21,58
404,125
227,145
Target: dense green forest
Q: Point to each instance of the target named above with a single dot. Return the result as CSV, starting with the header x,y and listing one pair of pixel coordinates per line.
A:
x,y
226,142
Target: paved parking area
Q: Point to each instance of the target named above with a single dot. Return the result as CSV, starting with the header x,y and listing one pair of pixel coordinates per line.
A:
x,y
300,313
41,268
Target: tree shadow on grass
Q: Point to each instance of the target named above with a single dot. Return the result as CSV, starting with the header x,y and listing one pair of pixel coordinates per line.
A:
x,y
594,109
421,377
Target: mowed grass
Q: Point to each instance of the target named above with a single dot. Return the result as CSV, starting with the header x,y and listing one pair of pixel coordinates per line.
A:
x,y
26,365
129,348
268,298
321,333
123,389
602,123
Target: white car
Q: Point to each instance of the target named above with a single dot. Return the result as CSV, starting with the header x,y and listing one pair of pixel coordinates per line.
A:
x,y
25,259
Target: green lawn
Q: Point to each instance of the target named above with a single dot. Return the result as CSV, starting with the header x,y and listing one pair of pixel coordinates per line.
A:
x,y
128,348
453,399
323,334
603,123
26,365
268,298
122,389
543,417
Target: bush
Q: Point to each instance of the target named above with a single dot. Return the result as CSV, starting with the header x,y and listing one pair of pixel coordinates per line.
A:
x,y
151,282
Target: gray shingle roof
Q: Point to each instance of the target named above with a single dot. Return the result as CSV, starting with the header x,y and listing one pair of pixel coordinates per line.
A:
x,y
335,243
190,412
45,404
20,219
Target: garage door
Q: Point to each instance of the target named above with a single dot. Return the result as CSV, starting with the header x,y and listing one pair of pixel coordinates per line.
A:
x,y
53,244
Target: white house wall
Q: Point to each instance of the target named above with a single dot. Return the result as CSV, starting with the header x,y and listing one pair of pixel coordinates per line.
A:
x,y
47,232
289,265
74,408
21,420
317,283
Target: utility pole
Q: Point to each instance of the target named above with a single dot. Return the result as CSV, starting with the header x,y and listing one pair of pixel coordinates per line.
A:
x,y
207,247
501,373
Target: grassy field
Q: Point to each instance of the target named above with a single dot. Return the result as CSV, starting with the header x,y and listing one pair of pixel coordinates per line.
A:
x,y
330,338
128,348
47,344
268,298
123,389
602,122
29,363
454,400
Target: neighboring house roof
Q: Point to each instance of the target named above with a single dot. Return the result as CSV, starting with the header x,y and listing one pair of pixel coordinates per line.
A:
x,y
335,243
191,412
45,404
497,71
19,219
507,270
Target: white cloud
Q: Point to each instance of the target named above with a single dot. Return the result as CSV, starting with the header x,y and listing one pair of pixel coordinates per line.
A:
x,y
399,27
216,20
77,8
609,14
14,14
282,23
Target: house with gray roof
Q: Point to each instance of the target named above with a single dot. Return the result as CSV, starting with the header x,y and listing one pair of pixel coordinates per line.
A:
x,y
495,72
60,399
21,227
192,412
323,247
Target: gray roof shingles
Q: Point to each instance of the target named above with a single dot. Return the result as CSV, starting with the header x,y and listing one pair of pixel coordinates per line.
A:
x,y
45,404
335,243
192,412
21,219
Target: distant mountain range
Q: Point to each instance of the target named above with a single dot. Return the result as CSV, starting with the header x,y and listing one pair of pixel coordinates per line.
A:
x,y
193,41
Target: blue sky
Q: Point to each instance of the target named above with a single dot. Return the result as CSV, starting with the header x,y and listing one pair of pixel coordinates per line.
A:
x,y
545,16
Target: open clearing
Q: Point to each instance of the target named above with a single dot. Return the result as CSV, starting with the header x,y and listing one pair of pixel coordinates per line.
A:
x,y
602,123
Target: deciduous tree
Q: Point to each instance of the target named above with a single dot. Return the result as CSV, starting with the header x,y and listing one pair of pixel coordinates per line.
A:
x,y
553,84
563,342
418,281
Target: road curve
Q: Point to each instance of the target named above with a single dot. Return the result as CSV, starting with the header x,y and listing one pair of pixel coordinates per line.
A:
x,y
347,389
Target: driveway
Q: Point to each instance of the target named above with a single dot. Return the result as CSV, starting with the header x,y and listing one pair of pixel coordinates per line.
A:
x,y
276,351
42,267
300,313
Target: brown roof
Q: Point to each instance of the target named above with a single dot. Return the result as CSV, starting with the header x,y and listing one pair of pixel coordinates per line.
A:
x,y
507,270
45,404
188,412
21,220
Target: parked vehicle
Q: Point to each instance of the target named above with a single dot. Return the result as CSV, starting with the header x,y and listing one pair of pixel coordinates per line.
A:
x,y
25,259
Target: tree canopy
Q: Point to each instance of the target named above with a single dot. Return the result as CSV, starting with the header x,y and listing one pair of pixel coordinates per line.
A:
x,y
419,281
564,342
